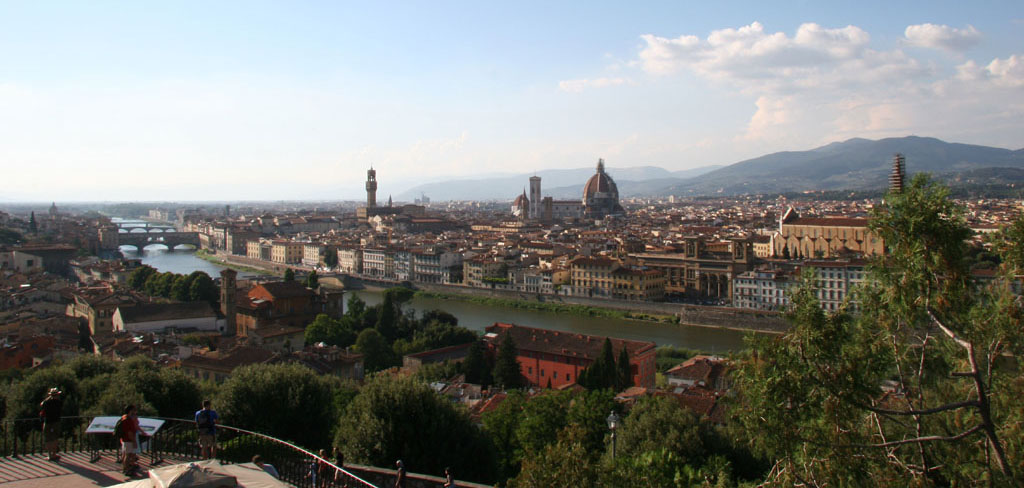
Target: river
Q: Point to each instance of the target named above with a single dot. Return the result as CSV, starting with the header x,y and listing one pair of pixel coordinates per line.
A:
x,y
475,316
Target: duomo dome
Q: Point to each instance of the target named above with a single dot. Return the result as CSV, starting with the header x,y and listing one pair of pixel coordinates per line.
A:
x,y
600,195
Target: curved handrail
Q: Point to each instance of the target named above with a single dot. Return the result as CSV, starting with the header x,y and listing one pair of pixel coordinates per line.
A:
x,y
26,430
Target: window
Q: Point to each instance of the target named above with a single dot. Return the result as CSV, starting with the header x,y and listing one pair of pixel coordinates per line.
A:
x,y
542,372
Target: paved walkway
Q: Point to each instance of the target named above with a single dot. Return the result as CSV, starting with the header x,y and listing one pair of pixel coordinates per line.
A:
x,y
72,471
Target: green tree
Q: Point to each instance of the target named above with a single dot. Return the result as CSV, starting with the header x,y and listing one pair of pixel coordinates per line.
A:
x,y
169,391
312,281
588,411
289,274
179,289
399,295
160,284
32,226
329,331
24,396
813,400
387,318
658,422
624,376
563,463
501,425
506,366
542,418
377,355
331,258
602,373
403,418
475,365
287,401
202,288
137,279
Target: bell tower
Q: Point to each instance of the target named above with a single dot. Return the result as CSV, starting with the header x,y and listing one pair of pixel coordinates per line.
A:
x,y
227,300
535,197
371,188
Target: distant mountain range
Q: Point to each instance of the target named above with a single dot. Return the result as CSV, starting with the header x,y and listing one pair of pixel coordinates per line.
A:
x,y
852,164
855,164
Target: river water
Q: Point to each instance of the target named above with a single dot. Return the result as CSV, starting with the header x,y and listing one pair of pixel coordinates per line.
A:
x,y
476,316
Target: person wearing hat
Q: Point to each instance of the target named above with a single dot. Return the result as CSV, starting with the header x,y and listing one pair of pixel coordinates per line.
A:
x,y
50,411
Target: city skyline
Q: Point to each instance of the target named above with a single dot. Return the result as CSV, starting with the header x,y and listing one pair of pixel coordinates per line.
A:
x,y
274,103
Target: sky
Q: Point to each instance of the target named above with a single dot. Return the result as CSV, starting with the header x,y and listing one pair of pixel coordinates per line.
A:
x,y
251,100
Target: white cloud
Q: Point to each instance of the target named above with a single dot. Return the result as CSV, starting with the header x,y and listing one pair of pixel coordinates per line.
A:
x,y
820,84
942,37
577,86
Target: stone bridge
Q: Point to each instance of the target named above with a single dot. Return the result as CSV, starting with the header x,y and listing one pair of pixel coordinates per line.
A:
x,y
143,239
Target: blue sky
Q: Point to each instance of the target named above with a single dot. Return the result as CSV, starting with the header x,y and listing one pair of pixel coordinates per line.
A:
x,y
276,100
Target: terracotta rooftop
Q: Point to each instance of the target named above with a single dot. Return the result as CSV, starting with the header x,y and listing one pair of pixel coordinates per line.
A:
x,y
561,343
166,311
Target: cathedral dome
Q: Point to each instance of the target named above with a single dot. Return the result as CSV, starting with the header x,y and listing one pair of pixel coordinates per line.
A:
x,y
600,195
521,201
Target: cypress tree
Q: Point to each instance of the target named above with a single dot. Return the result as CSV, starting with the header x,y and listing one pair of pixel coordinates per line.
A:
x,y
475,365
606,370
506,367
625,376
387,317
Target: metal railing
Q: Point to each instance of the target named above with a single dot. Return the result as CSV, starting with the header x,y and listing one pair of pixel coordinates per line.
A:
x,y
179,438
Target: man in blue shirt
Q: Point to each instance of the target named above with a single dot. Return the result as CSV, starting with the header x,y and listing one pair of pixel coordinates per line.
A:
x,y
206,422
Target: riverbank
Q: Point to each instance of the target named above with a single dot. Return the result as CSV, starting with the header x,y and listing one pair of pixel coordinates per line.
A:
x,y
722,318
581,310
206,256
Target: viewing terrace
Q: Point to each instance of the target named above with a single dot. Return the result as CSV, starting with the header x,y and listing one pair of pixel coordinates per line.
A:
x,y
89,457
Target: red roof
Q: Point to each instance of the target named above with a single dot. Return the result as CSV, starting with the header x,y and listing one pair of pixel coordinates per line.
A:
x,y
562,343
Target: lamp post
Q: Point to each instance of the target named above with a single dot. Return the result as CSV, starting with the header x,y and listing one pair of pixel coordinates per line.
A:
x,y
613,423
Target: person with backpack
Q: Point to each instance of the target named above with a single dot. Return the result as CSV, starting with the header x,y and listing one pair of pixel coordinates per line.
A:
x,y
206,423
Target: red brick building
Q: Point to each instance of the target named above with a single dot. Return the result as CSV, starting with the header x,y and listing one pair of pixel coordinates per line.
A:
x,y
558,357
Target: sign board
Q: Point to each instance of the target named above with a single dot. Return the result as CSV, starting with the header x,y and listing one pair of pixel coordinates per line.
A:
x,y
105,425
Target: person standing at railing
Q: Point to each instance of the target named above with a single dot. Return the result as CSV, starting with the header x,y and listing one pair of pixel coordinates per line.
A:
x,y
130,432
449,482
50,411
339,460
206,422
400,474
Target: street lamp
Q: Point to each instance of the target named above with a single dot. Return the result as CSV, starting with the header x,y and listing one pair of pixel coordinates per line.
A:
x,y
613,423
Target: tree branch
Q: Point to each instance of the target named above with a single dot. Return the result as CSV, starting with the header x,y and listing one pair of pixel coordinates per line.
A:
x,y
927,411
915,440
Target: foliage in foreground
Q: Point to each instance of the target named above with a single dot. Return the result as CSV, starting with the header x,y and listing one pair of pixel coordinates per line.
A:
x,y
813,400
403,418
